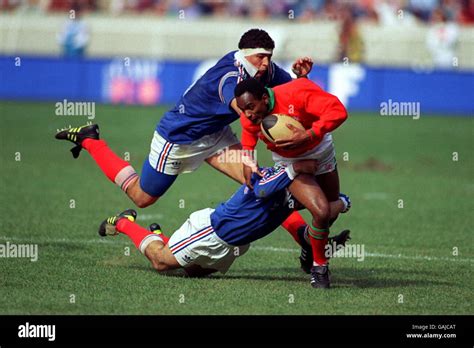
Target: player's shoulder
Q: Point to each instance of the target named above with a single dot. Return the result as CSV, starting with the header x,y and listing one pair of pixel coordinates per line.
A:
x,y
300,87
275,68
228,61
276,75
296,87
224,68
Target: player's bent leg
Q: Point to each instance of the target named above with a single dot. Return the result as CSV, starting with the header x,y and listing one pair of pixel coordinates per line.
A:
x,y
329,183
339,203
228,161
138,196
150,243
306,190
293,224
146,190
161,257
116,169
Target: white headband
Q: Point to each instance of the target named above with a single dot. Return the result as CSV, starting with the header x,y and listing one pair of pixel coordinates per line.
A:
x,y
250,51
241,54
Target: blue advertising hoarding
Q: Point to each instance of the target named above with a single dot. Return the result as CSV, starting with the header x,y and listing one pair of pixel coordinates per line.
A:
x,y
151,82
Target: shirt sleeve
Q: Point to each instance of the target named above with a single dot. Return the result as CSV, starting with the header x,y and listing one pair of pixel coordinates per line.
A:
x,y
226,87
327,108
272,182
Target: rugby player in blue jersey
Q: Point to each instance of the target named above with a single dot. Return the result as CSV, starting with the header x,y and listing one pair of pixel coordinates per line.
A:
x,y
211,239
196,129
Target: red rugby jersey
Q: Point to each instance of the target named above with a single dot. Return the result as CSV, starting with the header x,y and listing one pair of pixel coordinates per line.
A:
x,y
318,111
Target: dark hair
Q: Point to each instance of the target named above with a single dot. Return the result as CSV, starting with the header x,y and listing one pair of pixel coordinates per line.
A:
x,y
252,86
256,38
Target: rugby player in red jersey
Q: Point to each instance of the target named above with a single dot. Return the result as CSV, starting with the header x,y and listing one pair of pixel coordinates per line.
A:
x,y
320,113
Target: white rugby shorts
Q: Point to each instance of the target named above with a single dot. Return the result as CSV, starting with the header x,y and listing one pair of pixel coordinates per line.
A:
x,y
324,153
196,243
174,159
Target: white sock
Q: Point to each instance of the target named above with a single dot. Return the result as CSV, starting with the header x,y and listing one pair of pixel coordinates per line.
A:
x,y
147,240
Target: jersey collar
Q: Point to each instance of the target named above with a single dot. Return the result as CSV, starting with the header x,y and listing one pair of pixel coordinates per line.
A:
x,y
271,98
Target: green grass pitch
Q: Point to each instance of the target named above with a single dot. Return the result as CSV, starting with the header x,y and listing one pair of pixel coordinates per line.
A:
x,y
418,259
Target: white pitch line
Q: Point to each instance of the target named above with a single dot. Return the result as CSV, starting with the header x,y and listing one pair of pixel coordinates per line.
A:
x,y
375,196
149,217
99,240
262,248
278,250
381,255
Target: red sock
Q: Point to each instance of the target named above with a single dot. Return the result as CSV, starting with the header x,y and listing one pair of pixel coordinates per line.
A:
x,y
165,238
115,168
140,236
292,224
319,239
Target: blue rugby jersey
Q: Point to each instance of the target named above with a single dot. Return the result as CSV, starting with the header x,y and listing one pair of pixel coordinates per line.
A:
x,y
205,106
252,214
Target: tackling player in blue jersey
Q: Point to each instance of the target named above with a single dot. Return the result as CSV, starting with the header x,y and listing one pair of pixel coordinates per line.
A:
x,y
210,240
197,129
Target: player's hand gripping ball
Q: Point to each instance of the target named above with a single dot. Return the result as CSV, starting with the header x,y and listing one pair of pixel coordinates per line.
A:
x,y
275,127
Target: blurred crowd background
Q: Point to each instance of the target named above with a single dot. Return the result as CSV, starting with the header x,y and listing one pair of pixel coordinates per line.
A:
x,y
367,31
380,11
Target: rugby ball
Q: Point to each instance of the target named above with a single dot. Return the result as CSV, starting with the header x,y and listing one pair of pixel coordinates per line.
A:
x,y
274,127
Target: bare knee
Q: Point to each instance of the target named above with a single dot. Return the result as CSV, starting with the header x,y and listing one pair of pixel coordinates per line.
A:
x,y
321,212
140,197
160,257
154,253
143,202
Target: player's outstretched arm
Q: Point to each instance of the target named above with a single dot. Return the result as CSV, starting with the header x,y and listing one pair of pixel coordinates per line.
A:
x,y
233,105
273,181
279,179
250,132
249,139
